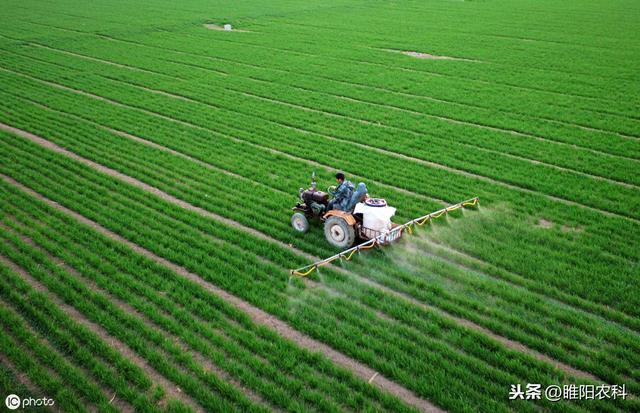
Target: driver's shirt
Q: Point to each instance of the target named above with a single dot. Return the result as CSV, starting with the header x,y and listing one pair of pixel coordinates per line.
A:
x,y
343,195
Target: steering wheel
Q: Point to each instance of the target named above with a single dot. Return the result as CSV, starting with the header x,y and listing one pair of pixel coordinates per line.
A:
x,y
332,190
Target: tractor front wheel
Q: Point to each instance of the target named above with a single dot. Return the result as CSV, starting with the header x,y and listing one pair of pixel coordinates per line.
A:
x,y
339,233
299,222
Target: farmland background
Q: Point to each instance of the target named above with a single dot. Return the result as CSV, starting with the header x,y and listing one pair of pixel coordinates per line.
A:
x,y
149,161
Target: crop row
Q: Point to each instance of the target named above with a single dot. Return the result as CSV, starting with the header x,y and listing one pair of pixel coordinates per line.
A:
x,y
588,191
616,248
549,84
258,223
320,319
385,340
209,391
299,380
583,190
471,118
42,314
535,206
151,165
370,60
237,216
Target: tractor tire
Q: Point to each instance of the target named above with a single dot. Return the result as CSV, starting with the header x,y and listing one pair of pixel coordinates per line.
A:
x,y
299,222
339,233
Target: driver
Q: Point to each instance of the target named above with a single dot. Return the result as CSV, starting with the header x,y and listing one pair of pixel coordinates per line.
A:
x,y
342,195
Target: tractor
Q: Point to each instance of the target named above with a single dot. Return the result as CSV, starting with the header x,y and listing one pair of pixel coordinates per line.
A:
x,y
368,218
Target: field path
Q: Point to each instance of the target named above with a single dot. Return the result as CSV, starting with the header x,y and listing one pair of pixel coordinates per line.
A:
x,y
257,315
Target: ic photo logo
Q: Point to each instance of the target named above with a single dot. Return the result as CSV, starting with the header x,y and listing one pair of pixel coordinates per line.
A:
x,y
13,402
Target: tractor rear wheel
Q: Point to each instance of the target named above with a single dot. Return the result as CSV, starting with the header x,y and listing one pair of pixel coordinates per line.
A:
x,y
339,233
299,222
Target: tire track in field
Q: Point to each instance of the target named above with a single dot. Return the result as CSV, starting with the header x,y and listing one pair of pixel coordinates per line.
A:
x,y
102,334
130,310
257,315
171,199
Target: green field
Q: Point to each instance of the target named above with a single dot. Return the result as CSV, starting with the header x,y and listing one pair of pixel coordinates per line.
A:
x,y
149,162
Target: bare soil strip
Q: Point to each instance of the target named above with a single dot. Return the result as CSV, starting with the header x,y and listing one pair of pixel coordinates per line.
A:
x,y
211,26
420,55
257,315
169,198
171,389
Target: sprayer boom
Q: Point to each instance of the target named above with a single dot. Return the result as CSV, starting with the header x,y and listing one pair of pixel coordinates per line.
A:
x,y
384,238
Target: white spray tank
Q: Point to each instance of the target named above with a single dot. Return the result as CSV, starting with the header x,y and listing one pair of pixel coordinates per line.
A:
x,y
376,214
